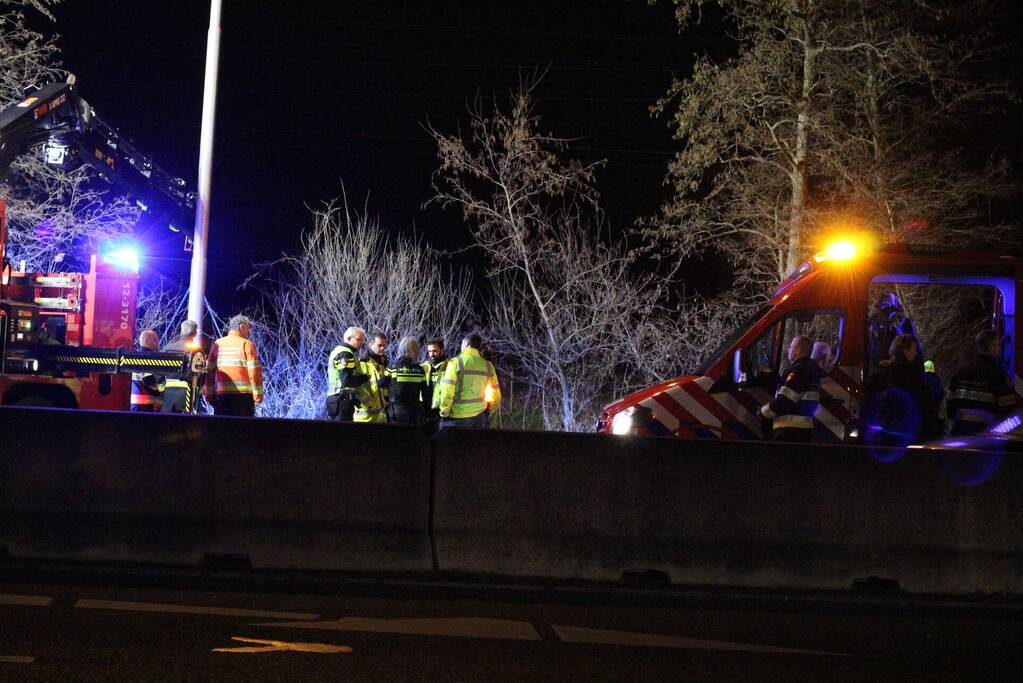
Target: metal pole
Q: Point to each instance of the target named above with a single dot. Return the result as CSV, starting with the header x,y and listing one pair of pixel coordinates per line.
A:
x,y
197,284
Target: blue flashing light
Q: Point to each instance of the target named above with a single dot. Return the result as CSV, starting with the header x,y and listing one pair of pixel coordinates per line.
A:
x,y
125,257
1007,425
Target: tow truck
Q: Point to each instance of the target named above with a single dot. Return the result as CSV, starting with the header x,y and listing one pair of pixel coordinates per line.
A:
x,y
848,296
66,339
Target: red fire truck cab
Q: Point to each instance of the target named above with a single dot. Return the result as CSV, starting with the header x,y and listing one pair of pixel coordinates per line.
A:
x,y
64,337
855,300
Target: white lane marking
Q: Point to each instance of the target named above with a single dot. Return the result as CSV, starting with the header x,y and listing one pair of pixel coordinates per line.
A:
x,y
598,636
16,660
30,600
469,627
190,609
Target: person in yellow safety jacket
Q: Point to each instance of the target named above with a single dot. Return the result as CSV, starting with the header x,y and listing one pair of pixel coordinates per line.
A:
x,y
147,388
470,390
344,376
234,377
372,395
176,396
434,367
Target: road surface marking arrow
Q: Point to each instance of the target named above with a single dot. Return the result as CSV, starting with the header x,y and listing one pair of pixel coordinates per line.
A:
x,y
282,646
469,627
598,636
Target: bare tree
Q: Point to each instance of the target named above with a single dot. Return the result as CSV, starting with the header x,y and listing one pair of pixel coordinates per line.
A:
x,y
828,112
52,214
348,272
565,300
161,307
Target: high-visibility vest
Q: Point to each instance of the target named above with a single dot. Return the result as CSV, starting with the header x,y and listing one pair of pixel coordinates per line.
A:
x,y
434,374
370,396
469,381
341,364
233,367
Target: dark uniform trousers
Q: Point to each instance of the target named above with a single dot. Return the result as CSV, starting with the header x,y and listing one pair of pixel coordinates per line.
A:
x,y
239,405
404,415
341,408
175,400
475,422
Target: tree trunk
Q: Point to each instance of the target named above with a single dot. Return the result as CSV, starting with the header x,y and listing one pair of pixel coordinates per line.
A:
x,y
800,168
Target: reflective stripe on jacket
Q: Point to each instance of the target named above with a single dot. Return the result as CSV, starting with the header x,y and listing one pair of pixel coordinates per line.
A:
x,y
464,387
146,388
342,367
434,374
371,396
796,401
407,386
233,367
978,395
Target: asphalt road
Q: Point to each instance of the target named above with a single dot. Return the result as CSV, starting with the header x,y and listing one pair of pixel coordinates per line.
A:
x,y
51,631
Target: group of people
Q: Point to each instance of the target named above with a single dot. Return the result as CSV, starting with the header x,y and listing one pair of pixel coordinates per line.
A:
x,y
234,376
902,399
439,392
168,392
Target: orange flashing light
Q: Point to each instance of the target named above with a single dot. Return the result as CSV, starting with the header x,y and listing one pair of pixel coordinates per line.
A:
x,y
193,345
841,250
488,394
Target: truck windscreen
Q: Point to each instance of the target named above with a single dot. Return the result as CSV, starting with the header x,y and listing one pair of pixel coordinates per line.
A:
x,y
731,339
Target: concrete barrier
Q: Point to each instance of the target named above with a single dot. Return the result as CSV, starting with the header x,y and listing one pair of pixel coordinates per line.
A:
x,y
179,489
722,513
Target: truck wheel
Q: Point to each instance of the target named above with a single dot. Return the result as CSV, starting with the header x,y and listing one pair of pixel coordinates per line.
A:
x,y
35,400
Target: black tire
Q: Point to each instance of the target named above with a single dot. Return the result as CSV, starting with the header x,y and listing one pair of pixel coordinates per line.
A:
x,y
35,400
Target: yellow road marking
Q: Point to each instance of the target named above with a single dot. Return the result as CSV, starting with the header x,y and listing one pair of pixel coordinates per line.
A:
x,y
283,646
30,600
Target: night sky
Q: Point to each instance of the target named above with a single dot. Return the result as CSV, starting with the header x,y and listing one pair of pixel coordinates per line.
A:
x,y
320,93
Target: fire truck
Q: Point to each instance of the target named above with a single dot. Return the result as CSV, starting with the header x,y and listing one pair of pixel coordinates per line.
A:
x,y
850,296
67,339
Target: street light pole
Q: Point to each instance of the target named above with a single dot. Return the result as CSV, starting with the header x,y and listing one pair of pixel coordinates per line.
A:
x,y
197,282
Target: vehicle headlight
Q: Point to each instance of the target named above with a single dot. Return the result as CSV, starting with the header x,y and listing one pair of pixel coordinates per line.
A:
x,y
623,423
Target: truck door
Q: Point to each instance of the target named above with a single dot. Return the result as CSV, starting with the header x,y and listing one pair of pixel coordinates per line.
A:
x,y
759,366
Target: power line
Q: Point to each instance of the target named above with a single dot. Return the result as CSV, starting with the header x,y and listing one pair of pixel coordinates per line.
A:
x,y
321,22
376,136
550,65
352,94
